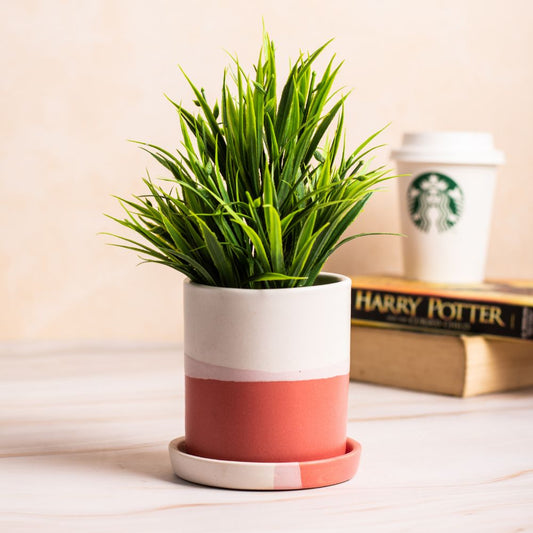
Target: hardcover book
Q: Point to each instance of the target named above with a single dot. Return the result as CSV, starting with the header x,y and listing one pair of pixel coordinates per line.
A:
x,y
460,365
495,308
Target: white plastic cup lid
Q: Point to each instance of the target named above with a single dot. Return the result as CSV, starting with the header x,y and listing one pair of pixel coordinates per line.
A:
x,y
459,147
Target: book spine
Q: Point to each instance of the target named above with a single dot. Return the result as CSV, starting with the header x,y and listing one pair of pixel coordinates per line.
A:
x,y
440,313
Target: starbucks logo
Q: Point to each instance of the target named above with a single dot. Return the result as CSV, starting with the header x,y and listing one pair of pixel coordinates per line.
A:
x,y
435,201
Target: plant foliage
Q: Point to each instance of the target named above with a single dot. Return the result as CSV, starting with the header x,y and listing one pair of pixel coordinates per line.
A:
x,y
259,197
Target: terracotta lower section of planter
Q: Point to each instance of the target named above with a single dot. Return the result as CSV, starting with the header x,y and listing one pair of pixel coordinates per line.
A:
x,y
262,475
273,421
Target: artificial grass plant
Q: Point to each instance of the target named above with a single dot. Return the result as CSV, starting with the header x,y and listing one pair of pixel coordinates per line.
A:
x,y
258,196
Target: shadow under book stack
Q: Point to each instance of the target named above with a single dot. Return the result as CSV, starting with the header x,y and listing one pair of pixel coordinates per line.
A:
x,y
445,339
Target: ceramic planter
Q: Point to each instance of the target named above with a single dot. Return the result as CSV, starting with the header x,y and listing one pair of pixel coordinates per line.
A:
x,y
266,386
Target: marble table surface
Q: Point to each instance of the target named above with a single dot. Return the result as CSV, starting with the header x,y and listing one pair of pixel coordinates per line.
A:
x,y
84,429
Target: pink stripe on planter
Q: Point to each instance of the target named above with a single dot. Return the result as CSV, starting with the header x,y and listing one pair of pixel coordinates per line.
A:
x,y
287,476
268,421
201,370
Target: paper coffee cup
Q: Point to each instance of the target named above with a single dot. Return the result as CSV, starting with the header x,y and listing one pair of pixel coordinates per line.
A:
x,y
446,204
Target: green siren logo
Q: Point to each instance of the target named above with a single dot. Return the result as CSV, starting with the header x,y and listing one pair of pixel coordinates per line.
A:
x,y
434,200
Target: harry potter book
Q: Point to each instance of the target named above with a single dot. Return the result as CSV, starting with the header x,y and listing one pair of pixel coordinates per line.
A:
x,y
495,308
460,365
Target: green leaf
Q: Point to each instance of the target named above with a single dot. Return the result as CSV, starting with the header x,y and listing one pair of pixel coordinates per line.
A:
x,y
356,236
273,276
273,223
218,255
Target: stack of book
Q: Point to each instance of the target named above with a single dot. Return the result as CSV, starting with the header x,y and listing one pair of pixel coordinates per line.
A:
x,y
440,338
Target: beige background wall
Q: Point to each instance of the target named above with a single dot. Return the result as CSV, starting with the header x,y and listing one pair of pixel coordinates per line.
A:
x,y
79,78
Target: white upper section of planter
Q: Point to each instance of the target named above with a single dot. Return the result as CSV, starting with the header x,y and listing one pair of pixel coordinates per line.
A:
x,y
268,334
